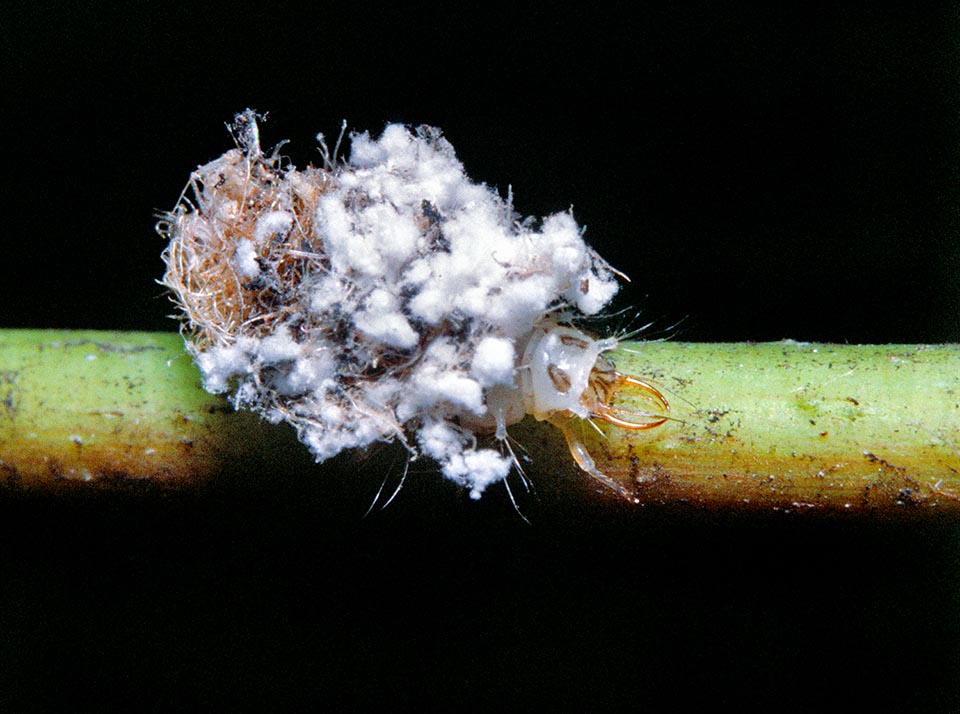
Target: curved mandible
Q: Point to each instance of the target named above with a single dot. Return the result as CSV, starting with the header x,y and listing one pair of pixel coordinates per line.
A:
x,y
603,409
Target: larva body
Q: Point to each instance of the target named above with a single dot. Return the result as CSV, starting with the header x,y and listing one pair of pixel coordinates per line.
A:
x,y
387,297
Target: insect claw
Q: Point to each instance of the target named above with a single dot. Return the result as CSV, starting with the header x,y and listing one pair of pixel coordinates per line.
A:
x,y
624,424
614,381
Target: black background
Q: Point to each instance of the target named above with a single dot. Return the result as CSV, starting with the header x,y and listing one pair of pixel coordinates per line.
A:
x,y
759,174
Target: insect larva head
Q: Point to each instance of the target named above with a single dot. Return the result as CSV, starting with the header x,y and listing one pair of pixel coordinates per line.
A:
x,y
556,370
564,372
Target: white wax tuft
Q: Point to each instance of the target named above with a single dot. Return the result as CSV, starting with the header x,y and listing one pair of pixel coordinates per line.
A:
x,y
384,297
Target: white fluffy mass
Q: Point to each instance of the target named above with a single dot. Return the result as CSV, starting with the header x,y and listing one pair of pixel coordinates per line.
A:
x,y
379,298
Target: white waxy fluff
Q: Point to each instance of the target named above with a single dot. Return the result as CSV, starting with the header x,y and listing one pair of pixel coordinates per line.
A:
x,y
385,297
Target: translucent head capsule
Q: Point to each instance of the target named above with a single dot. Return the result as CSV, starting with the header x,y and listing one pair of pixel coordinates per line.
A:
x,y
557,364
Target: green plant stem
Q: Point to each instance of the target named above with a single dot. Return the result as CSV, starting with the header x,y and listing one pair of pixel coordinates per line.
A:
x,y
793,426
754,426
84,407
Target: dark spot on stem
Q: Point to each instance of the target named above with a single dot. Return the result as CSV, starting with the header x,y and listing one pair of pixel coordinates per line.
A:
x,y
8,391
